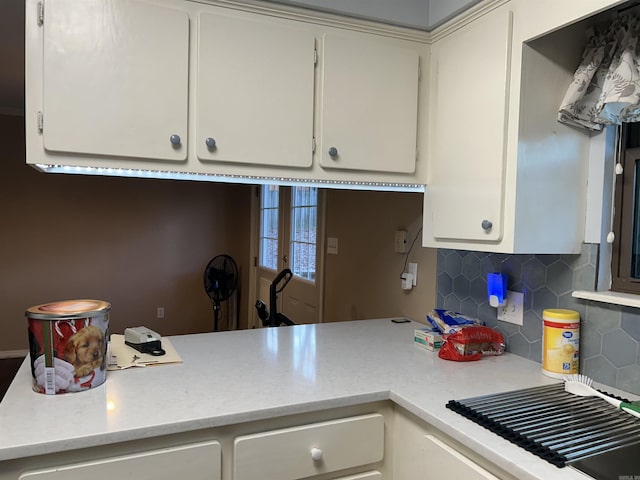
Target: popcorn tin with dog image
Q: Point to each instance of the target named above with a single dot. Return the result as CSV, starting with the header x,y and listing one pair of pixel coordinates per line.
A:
x,y
68,345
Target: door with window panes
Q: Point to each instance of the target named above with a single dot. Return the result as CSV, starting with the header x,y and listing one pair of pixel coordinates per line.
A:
x,y
290,231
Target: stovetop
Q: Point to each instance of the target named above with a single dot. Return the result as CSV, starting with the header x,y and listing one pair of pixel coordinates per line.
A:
x,y
586,433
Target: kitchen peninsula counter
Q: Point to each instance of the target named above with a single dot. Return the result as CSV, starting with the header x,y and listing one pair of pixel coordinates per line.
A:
x,y
229,378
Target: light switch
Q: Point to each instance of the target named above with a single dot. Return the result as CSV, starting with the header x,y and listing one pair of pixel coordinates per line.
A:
x,y
332,245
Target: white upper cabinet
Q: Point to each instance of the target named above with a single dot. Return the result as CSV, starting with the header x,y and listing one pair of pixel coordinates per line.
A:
x,y
115,79
504,175
468,106
254,90
223,91
369,103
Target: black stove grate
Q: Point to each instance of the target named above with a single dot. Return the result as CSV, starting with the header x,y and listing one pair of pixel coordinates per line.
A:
x,y
555,425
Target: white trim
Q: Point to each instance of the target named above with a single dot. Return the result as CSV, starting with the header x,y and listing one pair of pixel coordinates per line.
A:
x,y
4,354
616,298
252,316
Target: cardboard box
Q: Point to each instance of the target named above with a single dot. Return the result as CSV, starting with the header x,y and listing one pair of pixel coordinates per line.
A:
x,y
427,338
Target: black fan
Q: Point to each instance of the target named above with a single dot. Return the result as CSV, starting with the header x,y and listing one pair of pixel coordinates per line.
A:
x,y
220,281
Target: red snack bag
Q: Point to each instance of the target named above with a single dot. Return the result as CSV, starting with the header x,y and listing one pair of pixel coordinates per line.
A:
x,y
471,343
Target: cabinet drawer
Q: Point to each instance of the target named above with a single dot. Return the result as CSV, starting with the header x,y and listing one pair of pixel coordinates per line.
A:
x,y
287,454
199,461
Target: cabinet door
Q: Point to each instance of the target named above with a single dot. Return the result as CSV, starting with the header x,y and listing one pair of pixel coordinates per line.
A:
x,y
369,105
200,461
470,80
254,100
446,462
115,79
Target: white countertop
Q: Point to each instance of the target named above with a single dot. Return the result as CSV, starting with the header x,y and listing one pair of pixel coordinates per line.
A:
x,y
233,377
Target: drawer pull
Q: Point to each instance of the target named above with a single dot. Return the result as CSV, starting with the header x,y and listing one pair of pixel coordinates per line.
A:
x,y
316,454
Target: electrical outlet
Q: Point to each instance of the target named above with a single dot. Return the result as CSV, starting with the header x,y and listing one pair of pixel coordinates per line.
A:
x,y
413,270
160,313
513,309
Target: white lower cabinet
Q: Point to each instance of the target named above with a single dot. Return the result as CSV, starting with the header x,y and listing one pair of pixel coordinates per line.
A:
x,y
200,461
313,449
363,476
451,463
379,441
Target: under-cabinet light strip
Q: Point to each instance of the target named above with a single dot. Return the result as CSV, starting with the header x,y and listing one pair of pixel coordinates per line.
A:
x,y
225,178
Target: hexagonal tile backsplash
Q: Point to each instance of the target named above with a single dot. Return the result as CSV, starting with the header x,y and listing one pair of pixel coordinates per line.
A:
x,y
609,334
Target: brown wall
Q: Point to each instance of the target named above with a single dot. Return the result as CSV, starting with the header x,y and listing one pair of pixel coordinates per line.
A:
x,y
137,243
363,280
141,244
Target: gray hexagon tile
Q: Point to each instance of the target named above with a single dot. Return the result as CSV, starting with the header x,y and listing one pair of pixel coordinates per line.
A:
x,y
605,319
610,335
630,322
471,267
619,348
532,326
559,278
590,342
444,283
519,345
461,287
478,289
548,259
584,278
469,307
453,264
628,379
543,299
600,369
534,274
451,302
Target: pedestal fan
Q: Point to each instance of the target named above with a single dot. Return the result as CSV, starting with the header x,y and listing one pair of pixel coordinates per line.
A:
x,y
220,281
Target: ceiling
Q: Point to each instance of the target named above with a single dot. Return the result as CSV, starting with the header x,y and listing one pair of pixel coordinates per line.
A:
x,y
418,14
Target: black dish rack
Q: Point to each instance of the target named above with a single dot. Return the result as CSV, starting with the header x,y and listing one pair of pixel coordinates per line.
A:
x,y
555,425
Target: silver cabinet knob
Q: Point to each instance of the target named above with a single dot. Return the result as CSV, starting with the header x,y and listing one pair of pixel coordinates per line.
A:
x,y
210,143
316,454
175,140
486,225
333,152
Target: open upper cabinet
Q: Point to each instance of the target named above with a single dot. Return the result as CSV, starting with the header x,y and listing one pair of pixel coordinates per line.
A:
x,y
504,175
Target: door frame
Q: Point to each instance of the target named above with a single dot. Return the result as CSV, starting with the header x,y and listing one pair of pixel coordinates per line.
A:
x,y
252,317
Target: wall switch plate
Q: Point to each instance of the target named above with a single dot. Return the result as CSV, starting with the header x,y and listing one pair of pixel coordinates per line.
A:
x,y
400,242
413,270
332,245
513,309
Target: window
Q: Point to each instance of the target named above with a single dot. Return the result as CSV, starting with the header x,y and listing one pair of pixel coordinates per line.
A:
x,y
269,228
304,221
625,262
295,210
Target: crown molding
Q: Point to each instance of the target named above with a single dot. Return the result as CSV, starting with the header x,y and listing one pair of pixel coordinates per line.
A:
x,y
466,17
300,14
